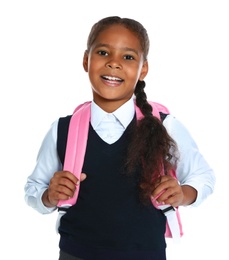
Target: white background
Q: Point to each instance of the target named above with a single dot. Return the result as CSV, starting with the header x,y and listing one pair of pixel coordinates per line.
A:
x,y
41,79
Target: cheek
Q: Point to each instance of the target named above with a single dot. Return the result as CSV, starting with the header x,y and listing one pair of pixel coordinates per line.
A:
x,y
94,66
134,73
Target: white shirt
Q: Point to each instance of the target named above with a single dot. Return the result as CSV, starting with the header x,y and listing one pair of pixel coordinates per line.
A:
x,y
110,126
192,168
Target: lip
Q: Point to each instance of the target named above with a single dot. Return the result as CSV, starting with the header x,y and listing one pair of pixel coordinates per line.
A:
x,y
113,81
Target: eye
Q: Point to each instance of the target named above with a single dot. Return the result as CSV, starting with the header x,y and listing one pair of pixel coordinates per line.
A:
x,y
102,53
128,57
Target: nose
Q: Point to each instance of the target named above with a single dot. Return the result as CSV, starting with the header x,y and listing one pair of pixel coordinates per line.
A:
x,y
113,64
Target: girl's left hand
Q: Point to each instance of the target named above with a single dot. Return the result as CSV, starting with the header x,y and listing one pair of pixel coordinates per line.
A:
x,y
168,191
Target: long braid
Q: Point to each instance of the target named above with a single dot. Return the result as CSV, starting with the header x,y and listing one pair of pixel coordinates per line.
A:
x,y
141,99
151,145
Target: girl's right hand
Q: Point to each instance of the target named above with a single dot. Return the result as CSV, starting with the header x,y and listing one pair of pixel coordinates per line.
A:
x,y
62,186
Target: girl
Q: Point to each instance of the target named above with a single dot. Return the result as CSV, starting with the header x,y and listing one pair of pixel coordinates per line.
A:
x,y
114,217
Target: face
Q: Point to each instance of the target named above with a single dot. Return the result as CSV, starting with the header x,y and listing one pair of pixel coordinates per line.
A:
x,y
114,64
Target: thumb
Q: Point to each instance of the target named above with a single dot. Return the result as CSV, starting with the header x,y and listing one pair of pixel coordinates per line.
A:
x,y
83,176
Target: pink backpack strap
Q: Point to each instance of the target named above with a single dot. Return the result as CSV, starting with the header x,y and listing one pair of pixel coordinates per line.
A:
x,y
76,145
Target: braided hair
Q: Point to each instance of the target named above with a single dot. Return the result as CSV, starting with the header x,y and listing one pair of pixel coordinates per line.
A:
x,y
150,146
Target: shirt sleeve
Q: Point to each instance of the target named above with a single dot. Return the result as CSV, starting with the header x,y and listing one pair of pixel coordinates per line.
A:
x,y
47,164
192,168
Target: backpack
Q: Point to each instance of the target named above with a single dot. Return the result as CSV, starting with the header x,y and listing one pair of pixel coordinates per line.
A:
x,y
74,158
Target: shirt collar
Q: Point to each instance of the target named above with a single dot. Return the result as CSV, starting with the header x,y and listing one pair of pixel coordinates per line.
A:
x,y
124,114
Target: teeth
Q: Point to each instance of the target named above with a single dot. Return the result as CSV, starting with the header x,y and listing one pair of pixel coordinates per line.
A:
x,y
111,78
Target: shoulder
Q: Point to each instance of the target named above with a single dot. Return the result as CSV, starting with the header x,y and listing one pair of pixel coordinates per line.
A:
x,y
160,107
179,132
159,110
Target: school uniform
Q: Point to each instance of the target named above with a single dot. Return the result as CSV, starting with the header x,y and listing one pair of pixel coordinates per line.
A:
x,y
108,219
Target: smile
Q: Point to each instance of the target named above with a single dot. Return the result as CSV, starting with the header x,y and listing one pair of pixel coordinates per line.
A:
x,y
110,78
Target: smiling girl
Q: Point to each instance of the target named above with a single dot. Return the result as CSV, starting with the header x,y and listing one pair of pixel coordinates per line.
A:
x,y
114,217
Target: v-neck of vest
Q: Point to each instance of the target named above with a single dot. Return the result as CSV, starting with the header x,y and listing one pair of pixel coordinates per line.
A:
x,y
116,143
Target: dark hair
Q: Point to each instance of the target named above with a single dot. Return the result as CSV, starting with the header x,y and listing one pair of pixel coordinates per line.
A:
x,y
130,24
151,145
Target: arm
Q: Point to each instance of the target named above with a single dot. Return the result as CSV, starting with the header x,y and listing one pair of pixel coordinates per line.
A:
x,y
47,163
48,183
196,179
189,195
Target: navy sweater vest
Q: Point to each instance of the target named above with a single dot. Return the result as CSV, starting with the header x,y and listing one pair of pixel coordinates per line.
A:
x,y
108,218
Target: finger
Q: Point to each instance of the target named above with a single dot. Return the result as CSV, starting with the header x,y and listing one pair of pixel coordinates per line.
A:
x,y
83,176
167,188
160,188
59,196
69,175
67,183
164,196
61,186
174,200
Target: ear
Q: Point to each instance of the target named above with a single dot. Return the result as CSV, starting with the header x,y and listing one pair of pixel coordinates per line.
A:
x,y
144,70
85,61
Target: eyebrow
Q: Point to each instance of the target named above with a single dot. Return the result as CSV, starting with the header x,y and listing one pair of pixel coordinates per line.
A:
x,y
109,46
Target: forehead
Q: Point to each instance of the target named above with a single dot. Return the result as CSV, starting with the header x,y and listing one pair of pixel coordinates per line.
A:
x,y
118,34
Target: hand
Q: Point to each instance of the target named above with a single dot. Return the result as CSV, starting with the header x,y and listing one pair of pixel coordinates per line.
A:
x,y
172,193
62,187
168,191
